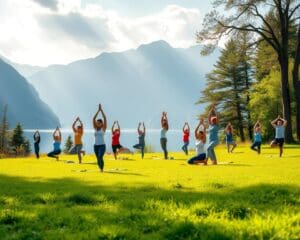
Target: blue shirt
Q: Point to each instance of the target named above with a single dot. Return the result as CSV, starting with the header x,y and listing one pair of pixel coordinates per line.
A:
x,y
279,130
229,137
213,133
257,137
56,146
99,137
163,133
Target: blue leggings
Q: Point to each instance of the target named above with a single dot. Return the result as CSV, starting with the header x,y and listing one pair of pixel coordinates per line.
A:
x,y
185,147
199,158
99,151
141,147
211,151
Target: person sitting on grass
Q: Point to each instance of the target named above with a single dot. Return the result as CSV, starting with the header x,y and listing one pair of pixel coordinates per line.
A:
x,y
213,139
186,135
163,133
56,144
229,138
116,146
37,140
279,124
78,132
200,137
100,128
142,134
257,137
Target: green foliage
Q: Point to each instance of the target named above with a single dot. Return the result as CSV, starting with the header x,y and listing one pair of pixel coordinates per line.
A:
x,y
68,144
4,135
18,143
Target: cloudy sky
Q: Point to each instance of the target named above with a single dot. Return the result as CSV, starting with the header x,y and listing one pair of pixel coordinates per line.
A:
x,y
43,32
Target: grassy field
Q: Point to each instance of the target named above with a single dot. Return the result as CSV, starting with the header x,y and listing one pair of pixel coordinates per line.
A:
x,y
246,196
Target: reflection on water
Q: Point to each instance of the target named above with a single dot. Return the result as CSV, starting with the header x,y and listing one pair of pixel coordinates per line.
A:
x,y
128,138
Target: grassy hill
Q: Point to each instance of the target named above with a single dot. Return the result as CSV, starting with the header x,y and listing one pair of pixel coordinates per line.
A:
x,y
245,197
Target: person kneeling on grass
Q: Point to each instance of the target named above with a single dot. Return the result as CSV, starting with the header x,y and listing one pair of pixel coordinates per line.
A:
x,y
257,138
56,144
200,142
229,138
279,124
116,146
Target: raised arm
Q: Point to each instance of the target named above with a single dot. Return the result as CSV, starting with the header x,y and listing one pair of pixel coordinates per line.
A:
x,y
74,125
144,128
274,122
162,119
95,117
167,122
284,122
59,134
113,127
104,118
118,126
188,126
197,129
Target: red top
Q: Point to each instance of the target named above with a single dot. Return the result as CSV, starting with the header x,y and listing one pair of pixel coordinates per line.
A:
x,y
186,135
115,138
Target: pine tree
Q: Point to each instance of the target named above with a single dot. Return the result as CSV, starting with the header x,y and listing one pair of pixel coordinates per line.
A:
x,y
4,131
17,139
26,146
68,144
226,87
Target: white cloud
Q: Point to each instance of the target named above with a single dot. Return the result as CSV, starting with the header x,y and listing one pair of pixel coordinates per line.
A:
x,y
44,32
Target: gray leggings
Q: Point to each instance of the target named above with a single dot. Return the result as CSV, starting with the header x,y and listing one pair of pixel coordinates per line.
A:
x,y
163,143
211,151
76,149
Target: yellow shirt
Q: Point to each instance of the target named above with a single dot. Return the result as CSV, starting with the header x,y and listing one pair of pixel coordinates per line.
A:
x,y
77,137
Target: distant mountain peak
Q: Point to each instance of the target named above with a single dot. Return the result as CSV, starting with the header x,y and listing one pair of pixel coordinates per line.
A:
x,y
155,44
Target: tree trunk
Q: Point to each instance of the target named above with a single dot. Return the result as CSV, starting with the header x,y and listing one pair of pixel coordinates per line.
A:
x,y
286,99
296,83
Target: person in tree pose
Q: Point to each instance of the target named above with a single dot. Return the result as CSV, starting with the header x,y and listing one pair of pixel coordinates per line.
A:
x,y
116,146
100,128
163,133
142,133
257,137
37,140
56,144
213,139
186,136
78,133
229,138
200,137
279,124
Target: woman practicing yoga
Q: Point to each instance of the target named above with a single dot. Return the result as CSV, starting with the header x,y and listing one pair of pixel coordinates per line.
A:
x,y
279,124
200,143
186,136
142,133
163,133
78,132
229,138
37,140
100,128
56,144
116,146
213,139
257,137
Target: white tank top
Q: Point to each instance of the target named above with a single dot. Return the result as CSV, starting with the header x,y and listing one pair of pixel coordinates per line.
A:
x,y
200,147
99,137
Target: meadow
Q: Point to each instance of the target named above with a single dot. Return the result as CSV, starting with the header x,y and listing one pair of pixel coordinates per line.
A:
x,y
246,196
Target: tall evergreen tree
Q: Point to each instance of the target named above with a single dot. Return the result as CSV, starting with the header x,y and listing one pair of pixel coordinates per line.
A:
x,y
226,87
4,131
17,139
68,144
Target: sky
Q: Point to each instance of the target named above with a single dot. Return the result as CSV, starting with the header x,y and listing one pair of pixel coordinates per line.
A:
x,y
44,32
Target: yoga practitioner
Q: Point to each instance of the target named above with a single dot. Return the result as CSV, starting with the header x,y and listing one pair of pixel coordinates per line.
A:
x,y
56,144
213,119
37,140
142,133
186,136
279,124
116,146
163,134
257,137
200,143
229,138
100,128
78,132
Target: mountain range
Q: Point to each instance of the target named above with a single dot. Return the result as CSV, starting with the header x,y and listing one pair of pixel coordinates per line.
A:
x,y
134,85
23,101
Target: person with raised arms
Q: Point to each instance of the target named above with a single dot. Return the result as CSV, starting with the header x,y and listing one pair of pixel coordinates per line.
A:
x,y
279,124
37,140
200,137
78,133
186,136
100,128
213,139
256,145
141,135
116,146
229,138
56,144
163,133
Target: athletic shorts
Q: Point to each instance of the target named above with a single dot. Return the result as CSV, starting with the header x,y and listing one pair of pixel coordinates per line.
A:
x,y
279,141
116,147
230,142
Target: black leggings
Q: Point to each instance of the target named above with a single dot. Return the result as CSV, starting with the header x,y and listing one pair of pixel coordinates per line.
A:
x,y
163,143
99,151
140,147
54,154
37,150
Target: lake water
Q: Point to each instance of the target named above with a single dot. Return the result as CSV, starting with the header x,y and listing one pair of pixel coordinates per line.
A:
x,y
128,138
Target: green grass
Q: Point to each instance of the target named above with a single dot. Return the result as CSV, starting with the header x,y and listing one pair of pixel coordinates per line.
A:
x,y
246,197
